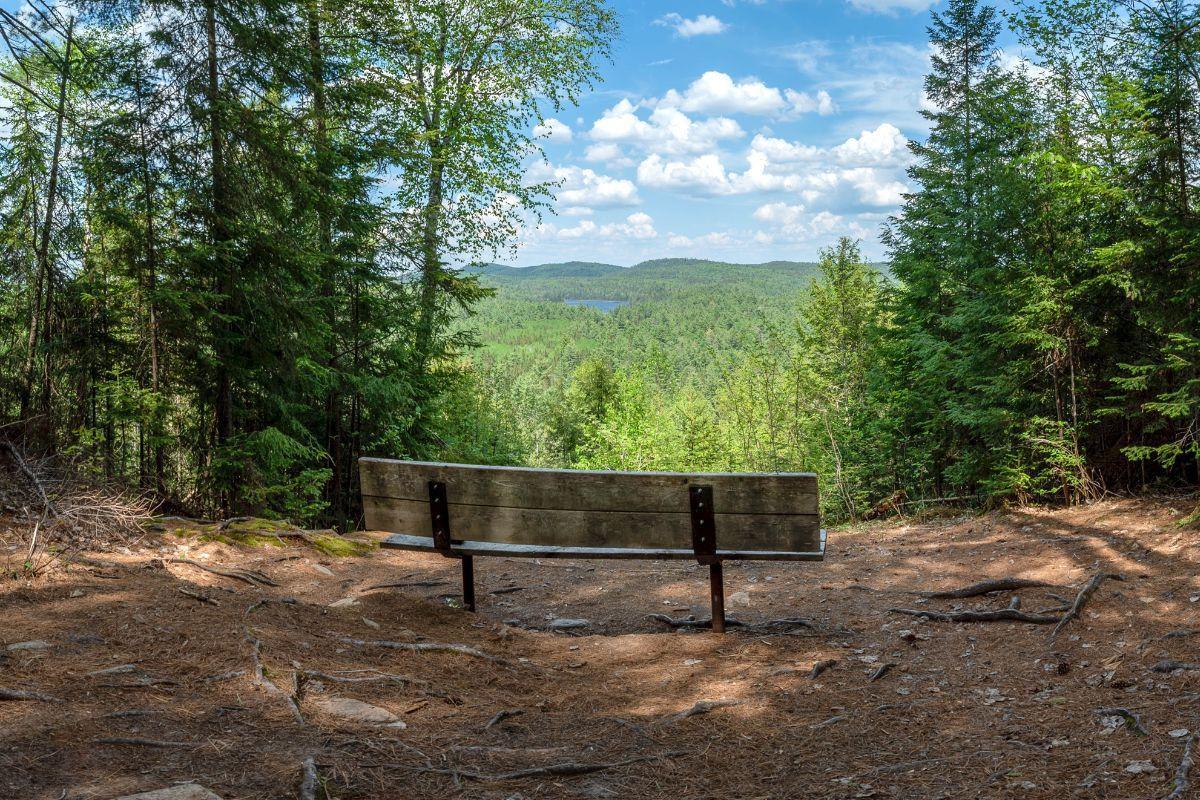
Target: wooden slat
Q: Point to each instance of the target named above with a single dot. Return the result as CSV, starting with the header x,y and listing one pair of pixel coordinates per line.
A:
x,y
578,490
776,532
402,541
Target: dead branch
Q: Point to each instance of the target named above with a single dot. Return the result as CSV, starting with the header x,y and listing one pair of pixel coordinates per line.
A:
x,y
118,670
985,587
405,585
1183,781
379,676
33,479
136,742
565,770
1181,634
691,622
821,666
503,715
308,779
21,694
508,590
1081,599
427,647
881,670
212,601
701,707
252,577
224,525
1132,720
1171,666
1001,615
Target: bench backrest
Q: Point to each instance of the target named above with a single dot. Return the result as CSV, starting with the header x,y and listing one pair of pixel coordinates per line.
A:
x,y
574,508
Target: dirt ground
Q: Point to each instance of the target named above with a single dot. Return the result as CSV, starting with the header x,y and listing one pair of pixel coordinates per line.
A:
x,y
968,710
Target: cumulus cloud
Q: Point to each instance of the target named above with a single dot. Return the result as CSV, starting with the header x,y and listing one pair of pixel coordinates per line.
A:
x,y
703,25
866,170
637,226
553,130
717,93
585,188
891,6
666,130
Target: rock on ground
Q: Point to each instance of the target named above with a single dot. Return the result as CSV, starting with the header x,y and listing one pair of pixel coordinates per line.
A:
x,y
350,710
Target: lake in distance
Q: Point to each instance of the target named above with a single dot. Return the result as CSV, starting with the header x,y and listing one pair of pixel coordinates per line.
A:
x,y
600,305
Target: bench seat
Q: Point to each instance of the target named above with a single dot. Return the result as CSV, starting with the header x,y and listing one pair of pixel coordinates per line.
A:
x,y
403,541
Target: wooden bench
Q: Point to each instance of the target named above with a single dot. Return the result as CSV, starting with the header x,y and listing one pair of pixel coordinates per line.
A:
x,y
463,511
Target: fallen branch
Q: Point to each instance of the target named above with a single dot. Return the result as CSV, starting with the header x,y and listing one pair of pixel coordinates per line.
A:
x,y
691,622
503,715
197,596
118,670
426,647
1001,615
378,676
1132,720
701,707
406,585
1081,599
508,590
880,671
1171,666
34,481
21,694
821,666
985,587
308,779
1183,780
136,742
252,577
565,770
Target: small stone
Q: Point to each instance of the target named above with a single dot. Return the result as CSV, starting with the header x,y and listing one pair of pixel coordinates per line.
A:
x,y
351,710
321,568
1179,733
740,599
1027,785
77,593
345,602
33,644
370,623
563,624
183,791
691,662
1140,767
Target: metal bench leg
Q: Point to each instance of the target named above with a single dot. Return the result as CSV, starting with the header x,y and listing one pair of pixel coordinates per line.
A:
x,y
716,580
468,570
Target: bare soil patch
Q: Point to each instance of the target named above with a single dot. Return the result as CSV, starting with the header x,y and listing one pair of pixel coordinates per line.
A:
x,y
162,672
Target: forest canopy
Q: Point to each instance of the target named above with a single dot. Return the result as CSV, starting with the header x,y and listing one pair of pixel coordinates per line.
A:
x,y
233,238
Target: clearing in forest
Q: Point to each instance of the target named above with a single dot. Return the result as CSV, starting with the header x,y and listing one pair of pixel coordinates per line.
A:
x,y
233,667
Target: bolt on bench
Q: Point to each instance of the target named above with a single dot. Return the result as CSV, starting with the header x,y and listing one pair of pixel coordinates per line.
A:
x,y
463,511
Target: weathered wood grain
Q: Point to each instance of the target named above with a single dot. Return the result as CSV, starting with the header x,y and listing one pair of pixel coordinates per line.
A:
x,y
579,490
554,527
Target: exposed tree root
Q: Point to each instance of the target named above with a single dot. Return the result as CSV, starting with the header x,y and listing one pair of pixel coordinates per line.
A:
x,y
308,779
564,770
406,585
986,587
197,596
427,647
137,742
252,577
1183,781
882,670
21,694
701,707
1081,599
503,715
1171,666
692,622
1132,720
261,680
1001,615
378,676
821,666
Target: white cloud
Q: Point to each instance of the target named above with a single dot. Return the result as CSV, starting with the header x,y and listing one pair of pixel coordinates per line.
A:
x,y
703,25
587,188
704,174
884,145
891,6
553,130
717,93
668,130
637,226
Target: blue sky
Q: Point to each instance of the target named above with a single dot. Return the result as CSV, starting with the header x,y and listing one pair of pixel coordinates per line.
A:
x,y
741,130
